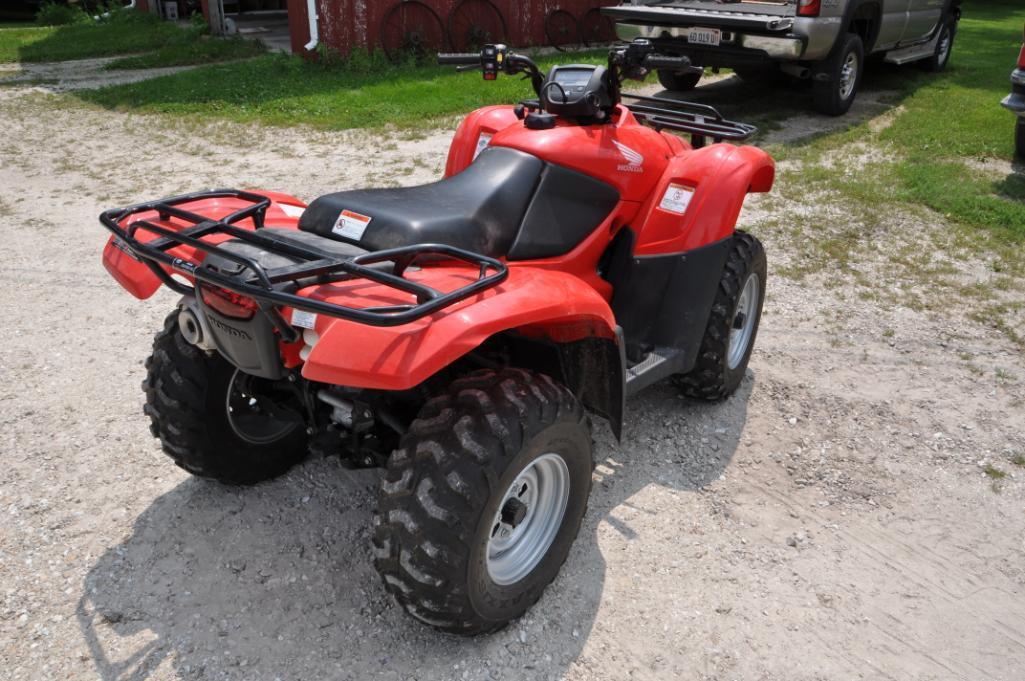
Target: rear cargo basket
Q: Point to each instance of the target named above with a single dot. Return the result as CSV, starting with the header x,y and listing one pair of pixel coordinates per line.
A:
x,y
271,287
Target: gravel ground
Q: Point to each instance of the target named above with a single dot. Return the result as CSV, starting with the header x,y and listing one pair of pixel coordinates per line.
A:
x,y
832,520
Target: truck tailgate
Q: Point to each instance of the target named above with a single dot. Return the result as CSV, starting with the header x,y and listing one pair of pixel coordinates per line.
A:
x,y
757,16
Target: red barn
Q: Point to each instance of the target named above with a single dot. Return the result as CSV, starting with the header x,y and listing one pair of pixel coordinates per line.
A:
x,y
419,26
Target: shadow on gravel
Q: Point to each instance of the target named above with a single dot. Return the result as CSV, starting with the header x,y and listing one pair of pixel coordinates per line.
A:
x,y
276,581
782,106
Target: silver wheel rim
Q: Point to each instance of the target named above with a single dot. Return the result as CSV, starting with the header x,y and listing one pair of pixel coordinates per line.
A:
x,y
848,75
944,45
742,327
528,519
248,420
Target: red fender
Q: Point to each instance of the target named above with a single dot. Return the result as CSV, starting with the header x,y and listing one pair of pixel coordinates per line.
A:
x,y
473,135
537,302
139,280
717,178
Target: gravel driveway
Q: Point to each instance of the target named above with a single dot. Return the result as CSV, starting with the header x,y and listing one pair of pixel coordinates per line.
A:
x,y
832,520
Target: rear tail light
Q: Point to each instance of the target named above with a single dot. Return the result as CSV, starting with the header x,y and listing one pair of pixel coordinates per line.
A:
x,y
228,303
809,8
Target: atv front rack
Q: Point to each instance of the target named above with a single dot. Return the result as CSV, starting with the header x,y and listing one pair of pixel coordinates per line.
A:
x,y
700,120
270,287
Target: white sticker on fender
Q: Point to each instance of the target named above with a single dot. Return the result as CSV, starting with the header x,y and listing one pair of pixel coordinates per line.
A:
x,y
291,211
304,319
677,198
351,225
482,143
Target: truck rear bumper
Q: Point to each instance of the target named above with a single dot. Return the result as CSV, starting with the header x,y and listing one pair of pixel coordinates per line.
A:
x,y
783,47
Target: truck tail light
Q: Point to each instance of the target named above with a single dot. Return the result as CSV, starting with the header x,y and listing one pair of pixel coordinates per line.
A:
x,y
228,303
809,8
1021,55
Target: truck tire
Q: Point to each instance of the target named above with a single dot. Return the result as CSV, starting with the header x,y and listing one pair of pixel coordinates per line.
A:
x,y
482,500
678,81
939,59
189,399
1019,138
842,70
732,324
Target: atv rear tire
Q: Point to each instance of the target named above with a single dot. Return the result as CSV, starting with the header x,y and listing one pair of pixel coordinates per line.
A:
x,y
678,81
187,397
483,499
734,320
842,71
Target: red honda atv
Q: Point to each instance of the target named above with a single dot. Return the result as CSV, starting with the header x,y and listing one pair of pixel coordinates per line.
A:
x,y
458,333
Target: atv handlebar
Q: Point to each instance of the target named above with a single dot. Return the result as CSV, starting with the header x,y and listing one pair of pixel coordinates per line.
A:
x,y
495,59
459,59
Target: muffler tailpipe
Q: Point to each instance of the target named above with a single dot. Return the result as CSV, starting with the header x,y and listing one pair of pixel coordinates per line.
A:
x,y
795,70
193,326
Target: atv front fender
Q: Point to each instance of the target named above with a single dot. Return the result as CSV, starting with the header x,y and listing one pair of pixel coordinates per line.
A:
x,y
539,303
698,200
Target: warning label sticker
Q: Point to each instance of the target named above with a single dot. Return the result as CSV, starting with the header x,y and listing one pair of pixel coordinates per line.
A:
x,y
677,198
304,319
482,143
351,225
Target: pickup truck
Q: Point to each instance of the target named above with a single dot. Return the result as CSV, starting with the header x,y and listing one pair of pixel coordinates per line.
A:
x,y
826,41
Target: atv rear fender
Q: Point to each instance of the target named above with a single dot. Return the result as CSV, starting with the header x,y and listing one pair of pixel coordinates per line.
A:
x,y
538,304
137,278
698,200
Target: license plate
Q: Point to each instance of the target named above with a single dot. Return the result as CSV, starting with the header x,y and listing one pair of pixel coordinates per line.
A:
x,y
704,36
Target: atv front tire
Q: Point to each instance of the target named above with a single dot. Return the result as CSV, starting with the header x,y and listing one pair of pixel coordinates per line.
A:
x,y
188,401
678,81
841,72
732,325
483,499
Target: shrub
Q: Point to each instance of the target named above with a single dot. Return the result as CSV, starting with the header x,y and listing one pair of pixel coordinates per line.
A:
x,y
57,14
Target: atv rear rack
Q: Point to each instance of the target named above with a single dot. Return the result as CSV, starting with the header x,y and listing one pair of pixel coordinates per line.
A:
x,y
268,286
700,120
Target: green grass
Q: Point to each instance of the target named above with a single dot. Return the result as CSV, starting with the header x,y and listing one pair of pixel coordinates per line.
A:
x,y
200,49
940,147
281,90
160,43
994,472
14,39
141,33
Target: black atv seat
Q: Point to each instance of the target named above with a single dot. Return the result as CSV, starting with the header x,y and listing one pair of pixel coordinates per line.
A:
x,y
507,203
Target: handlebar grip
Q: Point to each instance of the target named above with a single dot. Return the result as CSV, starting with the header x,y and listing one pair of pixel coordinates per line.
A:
x,y
459,59
658,61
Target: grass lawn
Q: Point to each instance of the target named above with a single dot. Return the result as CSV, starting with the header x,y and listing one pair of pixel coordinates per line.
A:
x,y
15,37
162,43
947,125
283,90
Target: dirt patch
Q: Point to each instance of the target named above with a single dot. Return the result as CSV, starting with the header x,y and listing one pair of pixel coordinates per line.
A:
x,y
832,520
80,74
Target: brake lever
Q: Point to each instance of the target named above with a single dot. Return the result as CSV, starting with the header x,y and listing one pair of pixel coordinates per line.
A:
x,y
468,67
